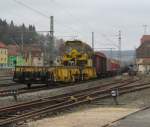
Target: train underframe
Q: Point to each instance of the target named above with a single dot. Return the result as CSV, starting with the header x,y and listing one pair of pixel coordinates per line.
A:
x,y
52,75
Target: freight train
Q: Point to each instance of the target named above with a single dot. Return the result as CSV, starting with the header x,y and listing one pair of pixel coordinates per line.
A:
x,y
78,62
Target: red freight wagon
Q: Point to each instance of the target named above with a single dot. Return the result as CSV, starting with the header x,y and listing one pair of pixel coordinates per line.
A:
x,y
112,66
99,62
115,65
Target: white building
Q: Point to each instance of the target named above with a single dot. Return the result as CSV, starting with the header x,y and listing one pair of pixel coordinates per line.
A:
x,y
34,55
143,55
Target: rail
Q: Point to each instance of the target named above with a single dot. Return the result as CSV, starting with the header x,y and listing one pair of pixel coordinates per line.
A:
x,y
36,108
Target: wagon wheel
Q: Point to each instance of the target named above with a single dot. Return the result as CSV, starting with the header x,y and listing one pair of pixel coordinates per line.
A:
x,y
29,85
52,77
51,82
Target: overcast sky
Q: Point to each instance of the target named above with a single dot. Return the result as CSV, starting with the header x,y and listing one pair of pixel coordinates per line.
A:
x,y
81,17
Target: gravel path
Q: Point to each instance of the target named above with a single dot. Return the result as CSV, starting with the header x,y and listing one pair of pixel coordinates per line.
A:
x,y
95,117
91,115
98,113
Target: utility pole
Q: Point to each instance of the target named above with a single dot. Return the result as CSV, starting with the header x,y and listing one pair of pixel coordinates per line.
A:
x,y
52,27
119,46
51,39
111,53
145,29
22,45
93,41
135,55
22,41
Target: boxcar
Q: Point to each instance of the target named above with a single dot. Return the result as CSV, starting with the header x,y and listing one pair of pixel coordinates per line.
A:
x,y
113,67
99,62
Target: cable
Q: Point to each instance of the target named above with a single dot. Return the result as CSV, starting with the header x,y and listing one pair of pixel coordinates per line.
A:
x,y
44,15
69,14
109,40
36,11
33,9
88,25
106,43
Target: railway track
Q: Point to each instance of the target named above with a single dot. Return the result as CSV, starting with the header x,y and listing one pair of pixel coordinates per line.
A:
x,y
5,76
6,79
5,85
36,109
4,93
9,92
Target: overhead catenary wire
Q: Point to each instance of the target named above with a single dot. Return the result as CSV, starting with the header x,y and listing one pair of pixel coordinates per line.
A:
x,y
38,12
31,8
106,43
64,25
70,15
67,11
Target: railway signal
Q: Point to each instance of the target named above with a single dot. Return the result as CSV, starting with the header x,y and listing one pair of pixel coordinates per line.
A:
x,y
114,94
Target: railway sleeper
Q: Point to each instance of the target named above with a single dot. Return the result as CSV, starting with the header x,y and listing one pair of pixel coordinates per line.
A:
x,y
62,107
89,98
73,98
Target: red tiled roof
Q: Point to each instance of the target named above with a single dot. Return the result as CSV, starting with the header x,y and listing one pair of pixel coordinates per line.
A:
x,y
145,38
34,49
12,53
2,45
13,50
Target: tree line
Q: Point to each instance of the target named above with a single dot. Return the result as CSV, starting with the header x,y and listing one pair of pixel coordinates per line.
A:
x,y
11,33
15,34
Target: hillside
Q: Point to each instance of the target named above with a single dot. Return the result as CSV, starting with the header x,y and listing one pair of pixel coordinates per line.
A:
x,y
128,56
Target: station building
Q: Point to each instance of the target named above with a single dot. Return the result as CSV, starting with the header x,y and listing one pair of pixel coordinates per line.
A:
x,y
3,55
143,55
